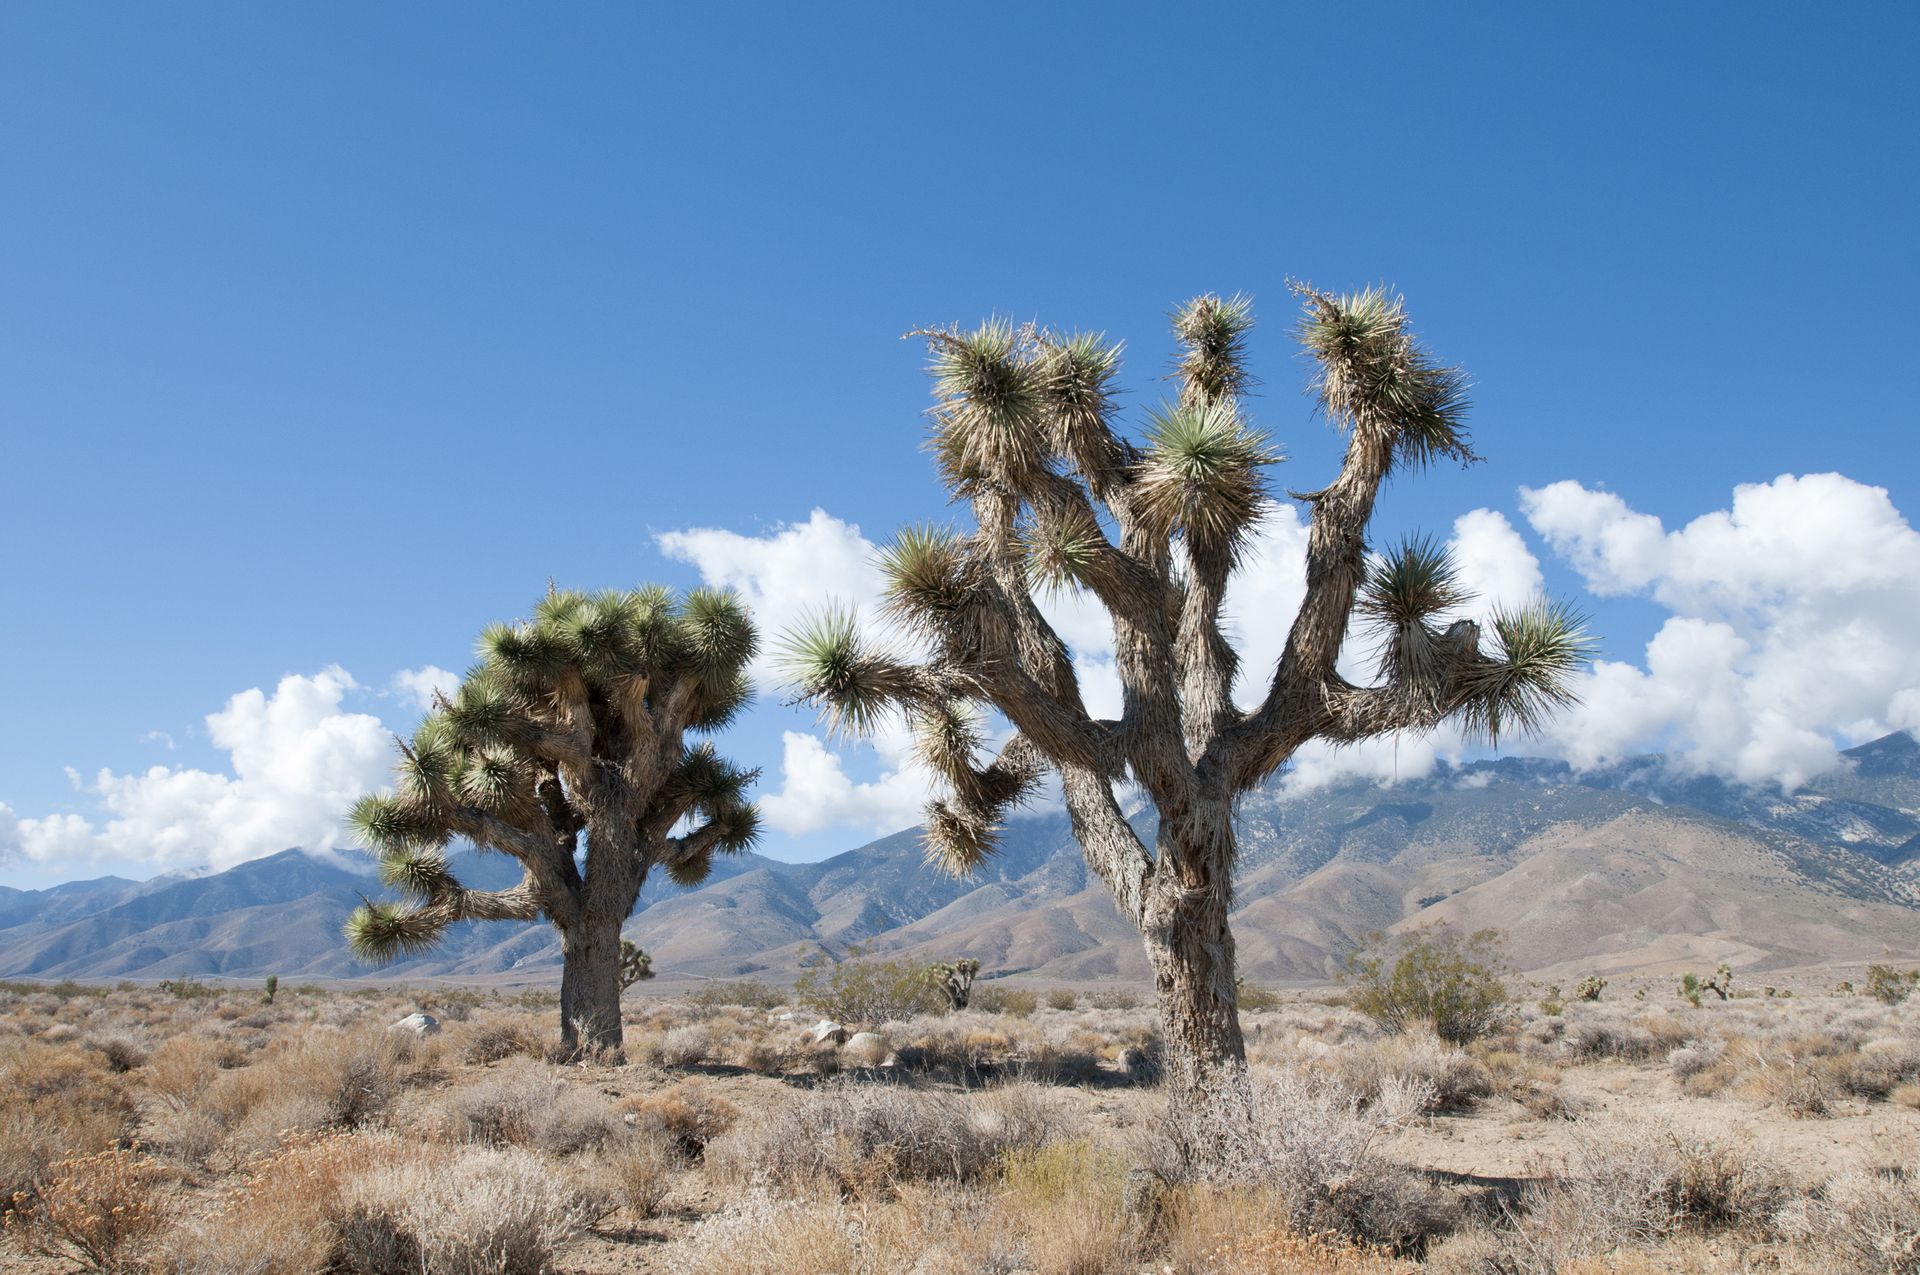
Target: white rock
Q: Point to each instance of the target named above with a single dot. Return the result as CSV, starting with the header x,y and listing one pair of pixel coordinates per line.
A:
x,y
418,1024
867,1049
826,1029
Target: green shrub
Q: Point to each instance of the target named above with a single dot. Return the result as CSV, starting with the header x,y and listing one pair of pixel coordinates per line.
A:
x,y
751,993
1690,989
864,989
187,989
1454,982
1017,1001
1889,985
1062,998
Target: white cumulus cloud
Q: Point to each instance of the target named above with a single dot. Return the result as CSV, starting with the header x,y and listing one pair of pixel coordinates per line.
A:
x,y
298,759
419,685
1794,614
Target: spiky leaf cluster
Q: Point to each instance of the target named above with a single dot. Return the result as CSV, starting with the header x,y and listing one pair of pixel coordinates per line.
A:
x,y
1541,647
1374,377
1200,477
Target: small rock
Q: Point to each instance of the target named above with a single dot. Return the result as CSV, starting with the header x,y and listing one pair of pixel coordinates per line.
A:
x,y
418,1024
867,1049
826,1029
780,1016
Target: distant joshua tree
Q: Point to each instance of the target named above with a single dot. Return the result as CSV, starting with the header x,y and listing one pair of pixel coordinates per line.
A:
x,y
566,747
1025,431
955,980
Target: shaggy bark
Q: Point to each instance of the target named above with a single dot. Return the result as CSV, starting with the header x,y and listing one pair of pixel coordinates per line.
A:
x,y
590,985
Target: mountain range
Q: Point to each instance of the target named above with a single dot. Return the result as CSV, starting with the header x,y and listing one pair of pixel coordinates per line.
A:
x,y
1638,867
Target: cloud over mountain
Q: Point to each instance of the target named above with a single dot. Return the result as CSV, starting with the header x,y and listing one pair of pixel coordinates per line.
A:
x,y
298,758
1794,615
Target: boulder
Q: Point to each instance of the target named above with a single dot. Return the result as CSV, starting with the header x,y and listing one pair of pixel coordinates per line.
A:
x,y
828,1030
867,1049
419,1024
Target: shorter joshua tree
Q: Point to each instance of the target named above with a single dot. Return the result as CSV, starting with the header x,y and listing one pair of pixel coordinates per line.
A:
x,y
955,981
1721,984
635,965
1590,987
566,748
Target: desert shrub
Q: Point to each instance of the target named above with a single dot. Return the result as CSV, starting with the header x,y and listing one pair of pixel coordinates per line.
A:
x,y
1878,1068
62,1103
1235,1232
1455,1080
688,1114
1062,998
930,1230
1019,1002
464,1211
499,1108
752,993
866,989
1628,1183
1066,1204
123,1050
1694,1057
1312,1143
1690,989
496,1039
1454,982
639,1170
1859,1224
527,1103
187,989
686,1045
103,1210
867,1139
1114,998
1890,986
1252,997
577,1120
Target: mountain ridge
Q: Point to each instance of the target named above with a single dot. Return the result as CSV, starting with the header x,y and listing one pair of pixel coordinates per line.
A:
x,y
1639,865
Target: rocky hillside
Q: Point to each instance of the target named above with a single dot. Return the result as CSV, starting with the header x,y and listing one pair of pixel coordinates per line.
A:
x,y
1632,868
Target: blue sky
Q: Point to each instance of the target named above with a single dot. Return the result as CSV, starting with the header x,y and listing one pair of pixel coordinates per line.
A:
x,y
329,332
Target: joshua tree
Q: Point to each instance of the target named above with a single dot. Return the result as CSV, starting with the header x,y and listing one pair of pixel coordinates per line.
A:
x,y
566,748
955,981
1024,430
1721,984
635,965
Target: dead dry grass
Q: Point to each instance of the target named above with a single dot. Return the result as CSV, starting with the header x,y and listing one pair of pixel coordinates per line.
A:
x,y
306,1136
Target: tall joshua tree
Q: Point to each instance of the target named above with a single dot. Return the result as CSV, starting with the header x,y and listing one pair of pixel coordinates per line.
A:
x,y
1024,431
566,747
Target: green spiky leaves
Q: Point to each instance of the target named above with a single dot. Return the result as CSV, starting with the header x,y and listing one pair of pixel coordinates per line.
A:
x,y
928,575
422,875
1542,646
1213,340
1201,476
989,420
384,931
1416,582
1374,377
832,668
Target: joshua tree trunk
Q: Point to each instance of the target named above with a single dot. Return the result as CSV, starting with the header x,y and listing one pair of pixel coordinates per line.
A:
x,y
590,984
1190,947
